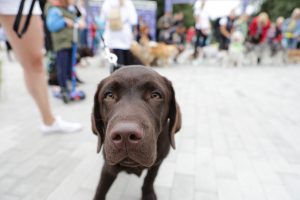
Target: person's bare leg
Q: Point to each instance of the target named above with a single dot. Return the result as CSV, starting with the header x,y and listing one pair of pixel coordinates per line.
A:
x,y
28,50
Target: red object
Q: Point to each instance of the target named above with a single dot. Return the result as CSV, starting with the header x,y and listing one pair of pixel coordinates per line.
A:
x,y
190,34
93,29
278,38
253,29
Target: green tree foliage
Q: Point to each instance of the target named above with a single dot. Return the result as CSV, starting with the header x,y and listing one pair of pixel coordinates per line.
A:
x,y
277,8
187,9
160,8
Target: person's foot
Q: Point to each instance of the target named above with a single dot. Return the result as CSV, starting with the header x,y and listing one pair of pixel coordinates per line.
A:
x,y
65,97
61,126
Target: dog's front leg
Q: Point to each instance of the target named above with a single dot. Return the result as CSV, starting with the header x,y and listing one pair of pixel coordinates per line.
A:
x,y
148,188
106,180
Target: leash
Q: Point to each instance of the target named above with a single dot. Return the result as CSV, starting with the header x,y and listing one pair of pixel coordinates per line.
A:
x,y
111,57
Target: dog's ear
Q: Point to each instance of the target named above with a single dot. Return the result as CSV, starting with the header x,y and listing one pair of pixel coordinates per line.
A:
x,y
97,121
174,116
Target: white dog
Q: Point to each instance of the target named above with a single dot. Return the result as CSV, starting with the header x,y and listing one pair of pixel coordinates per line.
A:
x,y
235,51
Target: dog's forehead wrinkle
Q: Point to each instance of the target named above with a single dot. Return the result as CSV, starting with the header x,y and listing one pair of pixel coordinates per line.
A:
x,y
136,83
132,76
137,68
135,71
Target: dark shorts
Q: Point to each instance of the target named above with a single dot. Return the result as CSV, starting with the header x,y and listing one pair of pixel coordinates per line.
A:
x,y
224,43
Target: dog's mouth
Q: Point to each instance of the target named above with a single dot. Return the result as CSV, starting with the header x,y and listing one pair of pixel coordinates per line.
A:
x,y
127,162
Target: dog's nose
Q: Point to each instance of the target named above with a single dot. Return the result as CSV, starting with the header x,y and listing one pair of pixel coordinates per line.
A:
x,y
126,132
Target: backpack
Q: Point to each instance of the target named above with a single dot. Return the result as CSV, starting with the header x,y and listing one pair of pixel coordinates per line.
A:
x,y
115,19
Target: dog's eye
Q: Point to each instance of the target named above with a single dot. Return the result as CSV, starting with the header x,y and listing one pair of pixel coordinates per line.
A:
x,y
156,95
109,95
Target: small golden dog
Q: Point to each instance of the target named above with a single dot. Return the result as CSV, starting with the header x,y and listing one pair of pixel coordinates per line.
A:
x,y
293,55
150,52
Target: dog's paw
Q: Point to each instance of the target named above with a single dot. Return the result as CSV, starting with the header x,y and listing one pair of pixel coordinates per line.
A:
x,y
149,196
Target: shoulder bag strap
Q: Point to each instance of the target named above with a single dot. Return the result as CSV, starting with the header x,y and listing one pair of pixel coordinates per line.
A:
x,y
16,25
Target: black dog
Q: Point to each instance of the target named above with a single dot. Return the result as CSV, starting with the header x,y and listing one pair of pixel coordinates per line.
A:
x,y
135,117
84,52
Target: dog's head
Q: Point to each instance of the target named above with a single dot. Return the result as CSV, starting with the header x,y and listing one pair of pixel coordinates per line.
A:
x,y
132,108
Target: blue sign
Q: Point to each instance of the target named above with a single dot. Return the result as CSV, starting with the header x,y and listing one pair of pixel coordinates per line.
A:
x,y
168,5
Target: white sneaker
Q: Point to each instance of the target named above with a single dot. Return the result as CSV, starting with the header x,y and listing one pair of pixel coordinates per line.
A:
x,y
60,126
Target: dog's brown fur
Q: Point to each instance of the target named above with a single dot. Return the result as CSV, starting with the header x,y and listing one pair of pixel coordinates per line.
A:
x,y
149,52
138,96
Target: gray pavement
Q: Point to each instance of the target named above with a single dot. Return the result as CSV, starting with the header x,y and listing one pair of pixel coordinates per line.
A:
x,y
240,139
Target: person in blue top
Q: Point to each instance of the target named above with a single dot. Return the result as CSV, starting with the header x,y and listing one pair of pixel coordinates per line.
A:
x,y
61,15
291,30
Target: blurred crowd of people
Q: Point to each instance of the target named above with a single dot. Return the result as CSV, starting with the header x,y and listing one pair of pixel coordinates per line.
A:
x,y
253,30
172,30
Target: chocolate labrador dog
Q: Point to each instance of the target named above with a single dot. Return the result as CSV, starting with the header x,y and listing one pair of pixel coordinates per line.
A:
x,y
135,117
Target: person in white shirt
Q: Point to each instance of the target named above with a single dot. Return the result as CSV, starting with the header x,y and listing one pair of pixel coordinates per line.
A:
x,y
120,17
202,25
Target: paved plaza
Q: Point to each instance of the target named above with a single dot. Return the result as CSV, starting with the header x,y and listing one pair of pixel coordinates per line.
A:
x,y
240,139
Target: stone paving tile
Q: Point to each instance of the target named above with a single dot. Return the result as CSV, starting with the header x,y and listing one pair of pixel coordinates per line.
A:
x,y
185,163
292,184
206,179
224,167
251,187
6,183
229,189
9,197
276,192
166,175
81,194
183,187
239,140
206,196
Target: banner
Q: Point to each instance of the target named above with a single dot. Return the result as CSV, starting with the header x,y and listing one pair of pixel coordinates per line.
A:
x,y
168,6
245,4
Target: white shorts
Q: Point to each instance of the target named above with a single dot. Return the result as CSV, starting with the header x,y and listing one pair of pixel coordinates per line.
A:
x,y
10,7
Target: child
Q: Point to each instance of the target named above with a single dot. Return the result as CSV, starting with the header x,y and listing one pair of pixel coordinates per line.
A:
x,y
61,15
